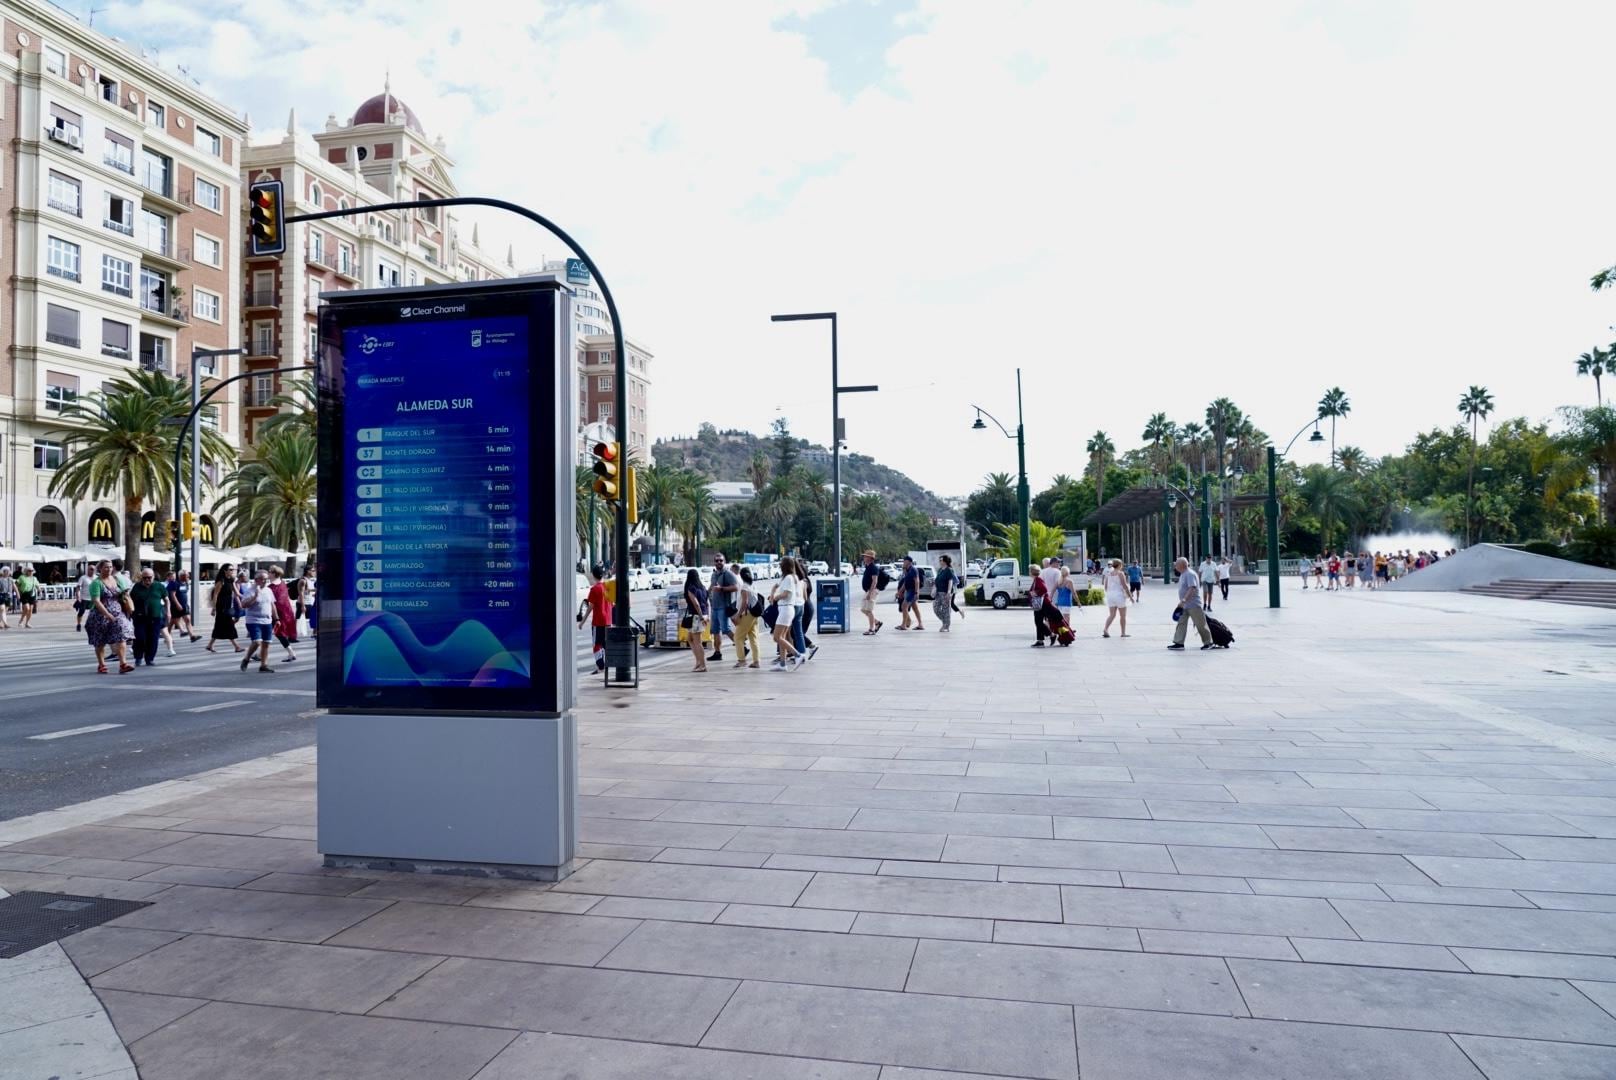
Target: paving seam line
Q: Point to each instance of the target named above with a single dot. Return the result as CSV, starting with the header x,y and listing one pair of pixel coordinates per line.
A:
x,y
1516,723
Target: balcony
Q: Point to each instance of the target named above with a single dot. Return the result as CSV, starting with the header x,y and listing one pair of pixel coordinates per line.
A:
x,y
125,227
64,206
164,310
158,192
166,256
262,347
260,298
122,162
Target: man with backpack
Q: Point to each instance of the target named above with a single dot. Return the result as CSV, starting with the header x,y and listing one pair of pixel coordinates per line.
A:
x,y
872,584
909,594
721,596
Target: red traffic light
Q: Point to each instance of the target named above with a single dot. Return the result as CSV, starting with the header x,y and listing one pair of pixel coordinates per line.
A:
x,y
265,234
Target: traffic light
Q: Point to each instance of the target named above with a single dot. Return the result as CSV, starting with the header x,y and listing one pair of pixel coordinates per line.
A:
x,y
607,481
631,495
171,532
187,525
266,234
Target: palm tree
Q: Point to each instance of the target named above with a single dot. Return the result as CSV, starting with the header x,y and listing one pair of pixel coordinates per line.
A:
x,y
1223,417
1159,431
1596,362
1474,404
123,441
871,509
1590,440
778,506
297,403
1101,450
584,501
1192,436
758,471
1329,495
1334,404
272,497
697,508
659,487
1352,460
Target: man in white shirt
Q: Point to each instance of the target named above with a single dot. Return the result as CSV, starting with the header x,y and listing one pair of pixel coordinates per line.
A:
x,y
1223,579
81,600
1189,603
1208,574
1051,574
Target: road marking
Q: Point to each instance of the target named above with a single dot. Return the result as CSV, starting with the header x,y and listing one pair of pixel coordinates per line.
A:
x,y
216,705
75,731
256,691
42,693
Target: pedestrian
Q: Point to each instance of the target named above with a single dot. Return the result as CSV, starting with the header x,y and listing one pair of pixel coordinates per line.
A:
x,y
1065,594
310,595
150,600
1224,571
696,615
1333,564
8,596
871,583
1039,599
751,610
1115,582
226,608
909,594
1189,607
258,607
1136,579
81,596
784,598
125,582
943,586
721,596
284,624
1304,570
1208,573
182,600
108,625
805,613
27,597
1349,566
597,611
1051,575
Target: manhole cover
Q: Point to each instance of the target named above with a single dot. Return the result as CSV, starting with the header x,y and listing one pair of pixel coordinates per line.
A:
x,y
31,919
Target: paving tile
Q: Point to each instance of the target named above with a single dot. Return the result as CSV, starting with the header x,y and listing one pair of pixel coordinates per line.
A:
x,y
1461,821
1066,935
102,947
1384,841
137,1015
1344,798
296,1044
636,907
1047,805
1524,1059
617,852
316,977
1216,912
312,884
957,871
787,918
953,823
999,785
24,860
608,806
744,952
112,869
1448,894
259,853
775,814
1539,964
1421,1000
1131,980
919,926
536,900
569,1000
1201,943
838,842
1215,834
684,789
1602,994
657,834
670,881
959,1034
1593,877
1494,928
1055,875
1185,883
1306,865
44,881
829,864
926,896
712,858
823,795
534,1055
1249,813
1558,848
243,913
98,842
440,930
898,1072
1123,1044
1204,792
1376,954
217,876
1078,854
1335,890
1571,901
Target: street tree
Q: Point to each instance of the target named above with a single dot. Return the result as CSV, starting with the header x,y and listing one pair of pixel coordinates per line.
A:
x,y
1334,405
1474,404
271,497
1596,362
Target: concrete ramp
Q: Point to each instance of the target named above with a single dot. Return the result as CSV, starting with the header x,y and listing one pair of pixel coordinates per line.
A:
x,y
1484,564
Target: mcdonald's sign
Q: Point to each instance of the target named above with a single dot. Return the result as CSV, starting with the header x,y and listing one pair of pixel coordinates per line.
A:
x,y
148,527
205,529
104,527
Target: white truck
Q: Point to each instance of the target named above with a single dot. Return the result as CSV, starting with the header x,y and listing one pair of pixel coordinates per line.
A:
x,y
931,560
1004,583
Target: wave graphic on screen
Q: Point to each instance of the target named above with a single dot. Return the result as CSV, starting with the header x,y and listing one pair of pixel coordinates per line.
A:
x,y
385,651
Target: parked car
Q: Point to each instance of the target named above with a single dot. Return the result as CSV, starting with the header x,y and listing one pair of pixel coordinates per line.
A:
x,y
639,579
659,575
819,566
847,569
580,591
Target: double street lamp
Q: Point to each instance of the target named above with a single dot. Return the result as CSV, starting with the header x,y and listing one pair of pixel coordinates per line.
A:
x,y
1023,495
836,432
1273,506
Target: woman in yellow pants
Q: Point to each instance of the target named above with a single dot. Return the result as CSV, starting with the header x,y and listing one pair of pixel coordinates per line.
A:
x,y
746,636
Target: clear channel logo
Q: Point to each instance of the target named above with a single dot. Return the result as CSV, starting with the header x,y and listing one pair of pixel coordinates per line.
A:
x,y
407,311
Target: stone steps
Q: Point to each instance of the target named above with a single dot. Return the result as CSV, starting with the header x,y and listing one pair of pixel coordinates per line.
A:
x,y
1600,594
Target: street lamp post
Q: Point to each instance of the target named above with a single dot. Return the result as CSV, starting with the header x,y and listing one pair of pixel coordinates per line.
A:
x,y
1170,496
1023,494
1272,508
836,392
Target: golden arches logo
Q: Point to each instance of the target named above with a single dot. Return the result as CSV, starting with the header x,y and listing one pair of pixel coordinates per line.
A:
x,y
102,526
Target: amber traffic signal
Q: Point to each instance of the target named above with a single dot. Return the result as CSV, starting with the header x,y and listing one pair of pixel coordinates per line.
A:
x,y
608,481
266,232
187,525
631,495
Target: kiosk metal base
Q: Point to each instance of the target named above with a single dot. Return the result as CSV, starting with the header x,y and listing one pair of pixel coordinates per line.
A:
x,y
490,796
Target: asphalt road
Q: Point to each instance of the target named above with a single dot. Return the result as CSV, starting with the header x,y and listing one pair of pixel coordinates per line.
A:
x,y
194,712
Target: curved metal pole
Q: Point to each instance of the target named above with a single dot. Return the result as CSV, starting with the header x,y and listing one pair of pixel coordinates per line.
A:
x,y
620,612
983,412
190,420
1023,496
1271,509
1298,435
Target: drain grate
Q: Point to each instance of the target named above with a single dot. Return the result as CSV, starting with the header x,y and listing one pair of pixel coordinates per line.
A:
x,y
31,919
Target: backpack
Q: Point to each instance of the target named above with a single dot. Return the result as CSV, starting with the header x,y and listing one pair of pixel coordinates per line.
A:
x,y
756,610
882,580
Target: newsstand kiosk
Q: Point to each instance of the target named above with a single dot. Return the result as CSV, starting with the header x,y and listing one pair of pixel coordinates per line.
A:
x,y
445,559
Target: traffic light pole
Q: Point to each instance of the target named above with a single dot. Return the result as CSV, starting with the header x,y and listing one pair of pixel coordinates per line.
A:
x,y
620,612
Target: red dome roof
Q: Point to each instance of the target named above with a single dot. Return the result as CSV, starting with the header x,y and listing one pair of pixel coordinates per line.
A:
x,y
378,109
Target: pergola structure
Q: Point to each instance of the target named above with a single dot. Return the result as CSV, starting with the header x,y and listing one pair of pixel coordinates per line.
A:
x,y
1139,511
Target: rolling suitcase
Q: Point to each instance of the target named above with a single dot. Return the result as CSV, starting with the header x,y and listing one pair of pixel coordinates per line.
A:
x,y
1221,637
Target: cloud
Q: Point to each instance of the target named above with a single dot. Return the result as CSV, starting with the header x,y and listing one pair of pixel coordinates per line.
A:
x,y
1142,206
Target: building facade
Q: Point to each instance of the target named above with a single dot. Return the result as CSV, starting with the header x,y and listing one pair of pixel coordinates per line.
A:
x,y
597,390
122,236
380,155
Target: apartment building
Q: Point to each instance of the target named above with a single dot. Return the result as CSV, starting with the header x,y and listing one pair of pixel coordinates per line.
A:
x,y
597,389
122,237
380,154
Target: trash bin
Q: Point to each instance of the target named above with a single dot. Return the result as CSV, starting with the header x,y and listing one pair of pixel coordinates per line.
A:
x,y
830,602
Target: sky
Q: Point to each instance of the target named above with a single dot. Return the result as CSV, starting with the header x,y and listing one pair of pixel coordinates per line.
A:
x,y
1141,204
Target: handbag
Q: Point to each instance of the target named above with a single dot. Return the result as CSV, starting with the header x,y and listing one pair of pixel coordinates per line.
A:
x,y
688,621
1036,600
127,603
771,615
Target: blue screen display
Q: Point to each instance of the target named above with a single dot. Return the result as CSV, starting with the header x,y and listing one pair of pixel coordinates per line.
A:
x,y
436,563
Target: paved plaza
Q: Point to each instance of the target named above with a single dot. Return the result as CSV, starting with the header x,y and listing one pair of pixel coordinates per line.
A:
x,y
1375,839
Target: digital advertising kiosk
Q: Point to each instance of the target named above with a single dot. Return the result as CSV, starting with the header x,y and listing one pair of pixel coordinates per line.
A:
x,y
445,540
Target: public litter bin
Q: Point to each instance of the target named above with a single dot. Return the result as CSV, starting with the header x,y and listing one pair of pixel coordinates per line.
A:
x,y
831,604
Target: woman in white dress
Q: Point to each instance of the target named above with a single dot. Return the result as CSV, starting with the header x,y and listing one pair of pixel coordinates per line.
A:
x,y
786,597
1116,597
